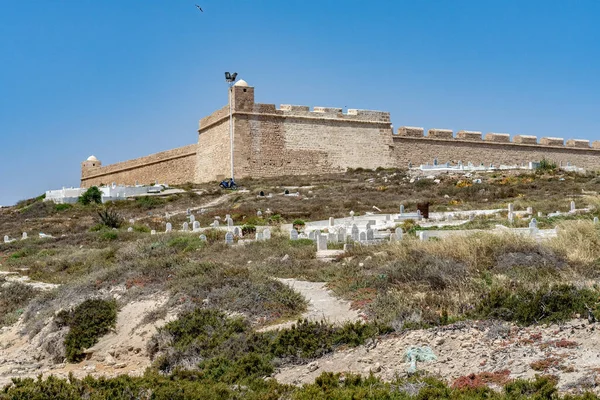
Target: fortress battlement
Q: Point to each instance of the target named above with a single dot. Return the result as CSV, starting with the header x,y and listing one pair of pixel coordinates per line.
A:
x,y
264,141
491,137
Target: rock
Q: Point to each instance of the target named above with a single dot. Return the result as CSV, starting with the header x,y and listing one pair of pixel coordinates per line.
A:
x,y
376,368
285,258
313,366
120,365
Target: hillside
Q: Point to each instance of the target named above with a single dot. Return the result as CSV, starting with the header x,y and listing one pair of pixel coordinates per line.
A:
x,y
487,307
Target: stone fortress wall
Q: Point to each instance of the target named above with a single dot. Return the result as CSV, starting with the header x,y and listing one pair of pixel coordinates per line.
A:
x,y
174,166
293,140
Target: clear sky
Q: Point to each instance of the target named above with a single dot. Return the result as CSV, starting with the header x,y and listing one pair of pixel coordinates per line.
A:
x,y
122,79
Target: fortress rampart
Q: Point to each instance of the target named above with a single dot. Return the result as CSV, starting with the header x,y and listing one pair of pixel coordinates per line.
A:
x,y
293,139
172,166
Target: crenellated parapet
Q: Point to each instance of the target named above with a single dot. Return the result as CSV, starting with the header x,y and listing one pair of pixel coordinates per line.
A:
x,y
491,137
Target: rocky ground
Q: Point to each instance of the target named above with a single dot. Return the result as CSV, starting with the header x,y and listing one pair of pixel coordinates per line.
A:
x,y
569,351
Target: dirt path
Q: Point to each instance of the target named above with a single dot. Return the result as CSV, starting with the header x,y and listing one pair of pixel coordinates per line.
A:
x,y
322,306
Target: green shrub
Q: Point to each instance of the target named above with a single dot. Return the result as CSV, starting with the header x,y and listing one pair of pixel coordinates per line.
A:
x,y
87,322
62,207
13,299
109,235
186,243
546,165
248,229
141,228
92,195
110,218
547,305
149,202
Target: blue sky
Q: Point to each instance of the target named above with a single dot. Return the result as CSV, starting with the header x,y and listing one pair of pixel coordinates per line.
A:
x,y
122,79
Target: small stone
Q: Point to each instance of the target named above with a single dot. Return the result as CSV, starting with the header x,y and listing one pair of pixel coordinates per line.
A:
x,y
120,365
313,366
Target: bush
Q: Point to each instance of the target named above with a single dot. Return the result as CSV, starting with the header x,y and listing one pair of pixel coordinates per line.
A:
x,y
87,322
299,224
62,207
546,165
546,305
92,195
248,229
110,218
13,299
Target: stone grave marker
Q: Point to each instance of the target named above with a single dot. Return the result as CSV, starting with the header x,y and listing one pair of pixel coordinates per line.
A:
x,y
259,213
529,210
332,238
185,227
196,226
399,233
188,212
511,207
573,206
131,221
293,234
216,223
331,222
153,232
312,235
203,237
533,229
169,227
369,234
259,236
341,235
237,231
229,238
401,209
24,236
354,233
321,243
362,237
130,229
229,223
423,236
595,220
192,218
266,234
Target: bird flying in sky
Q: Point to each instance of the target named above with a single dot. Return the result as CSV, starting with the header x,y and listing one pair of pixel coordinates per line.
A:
x,y
199,8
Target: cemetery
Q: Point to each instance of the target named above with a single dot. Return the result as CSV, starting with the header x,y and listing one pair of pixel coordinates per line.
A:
x,y
412,256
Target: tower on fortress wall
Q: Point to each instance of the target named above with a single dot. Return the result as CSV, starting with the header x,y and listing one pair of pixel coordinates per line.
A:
x,y
291,140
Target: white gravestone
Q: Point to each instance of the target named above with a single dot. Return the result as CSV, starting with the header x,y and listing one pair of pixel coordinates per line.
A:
x,y
229,238
169,227
259,236
130,229
362,237
332,238
203,238
573,206
595,220
369,234
266,234
533,229
186,227
331,222
237,231
354,233
423,236
401,209
196,226
321,243
399,233
293,234
153,232
192,218
24,236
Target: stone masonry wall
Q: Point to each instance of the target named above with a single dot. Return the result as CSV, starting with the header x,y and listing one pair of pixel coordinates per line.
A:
x,y
424,150
174,166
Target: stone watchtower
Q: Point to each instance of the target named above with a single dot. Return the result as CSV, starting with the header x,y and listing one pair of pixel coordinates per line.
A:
x,y
90,164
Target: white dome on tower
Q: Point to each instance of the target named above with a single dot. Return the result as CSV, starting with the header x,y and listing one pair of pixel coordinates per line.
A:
x,y
92,158
241,83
